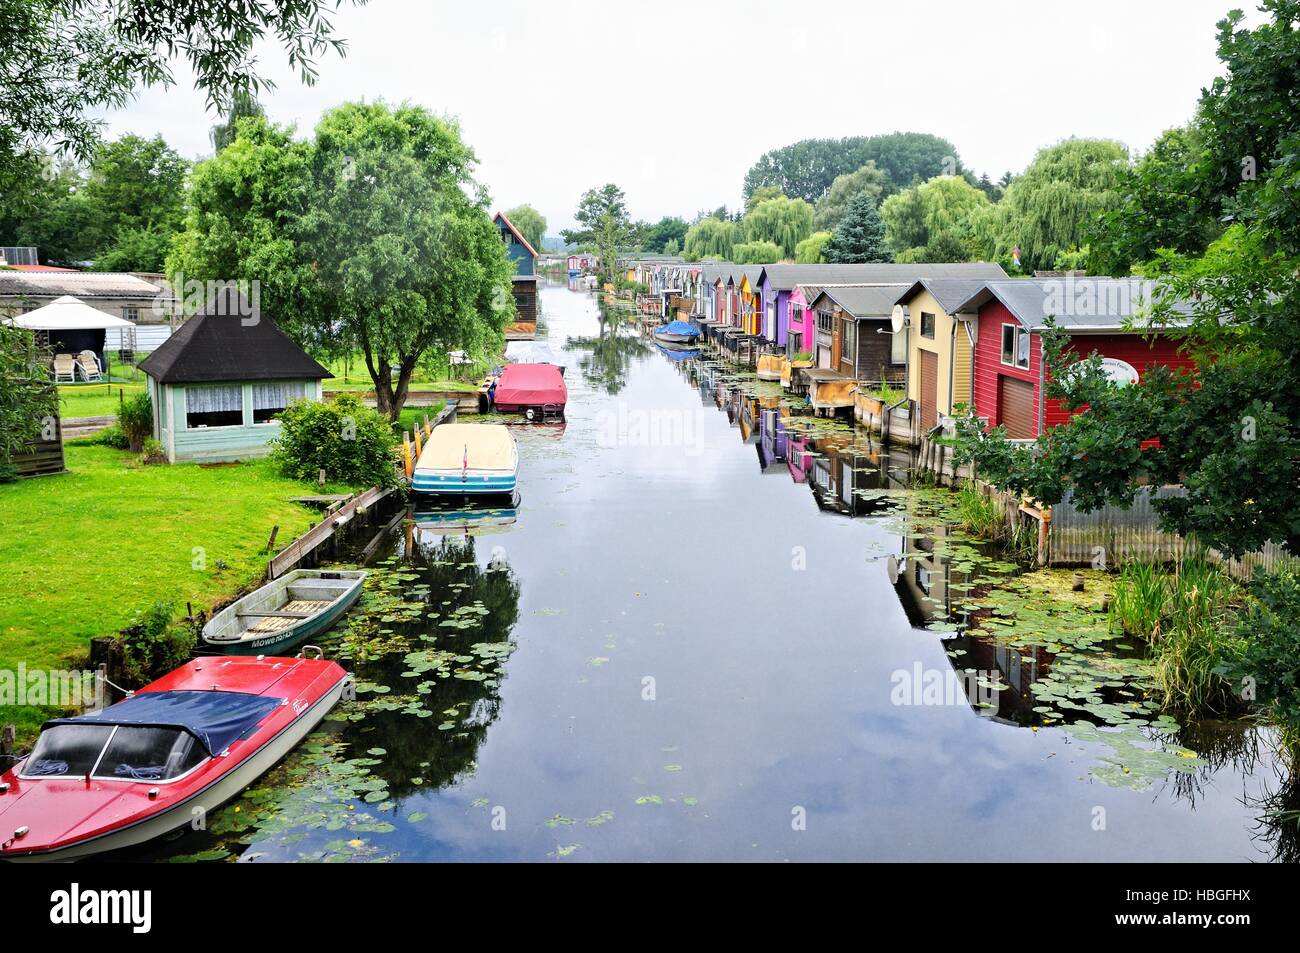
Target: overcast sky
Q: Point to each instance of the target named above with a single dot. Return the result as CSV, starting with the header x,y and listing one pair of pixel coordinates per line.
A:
x,y
674,100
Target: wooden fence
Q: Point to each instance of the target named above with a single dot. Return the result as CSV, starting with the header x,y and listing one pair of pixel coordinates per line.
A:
x,y
1114,534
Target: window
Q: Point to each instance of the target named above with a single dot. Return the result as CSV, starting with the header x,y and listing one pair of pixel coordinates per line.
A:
x,y
66,751
794,344
898,347
130,313
214,406
149,754
849,341
824,322
1015,346
270,400
927,325
507,236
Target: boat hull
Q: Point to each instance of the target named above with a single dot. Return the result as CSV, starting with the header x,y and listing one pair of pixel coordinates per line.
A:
x,y
471,483
677,338
283,641
203,802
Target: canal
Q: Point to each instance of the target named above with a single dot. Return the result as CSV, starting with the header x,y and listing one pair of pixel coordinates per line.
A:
x,y
704,634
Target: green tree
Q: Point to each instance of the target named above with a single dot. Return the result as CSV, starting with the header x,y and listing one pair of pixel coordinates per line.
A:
x,y
933,218
136,193
668,230
781,221
762,194
1050,208
711,238
606,227
808,168
870,180
73,57
860,237
530,222
757,253
812,250
1229,431
243,105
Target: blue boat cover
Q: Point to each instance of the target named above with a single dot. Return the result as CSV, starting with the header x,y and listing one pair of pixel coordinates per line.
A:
x,y
217,719
680,327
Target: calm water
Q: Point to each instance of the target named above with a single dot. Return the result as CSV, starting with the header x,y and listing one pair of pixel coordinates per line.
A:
x,y
704,633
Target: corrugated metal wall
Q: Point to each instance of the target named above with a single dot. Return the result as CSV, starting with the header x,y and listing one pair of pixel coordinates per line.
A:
x,y
1115,535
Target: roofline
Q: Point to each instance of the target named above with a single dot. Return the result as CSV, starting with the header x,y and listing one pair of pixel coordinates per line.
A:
x,y
518,234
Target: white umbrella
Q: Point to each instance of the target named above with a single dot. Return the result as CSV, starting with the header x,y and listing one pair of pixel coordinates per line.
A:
x,y
68,314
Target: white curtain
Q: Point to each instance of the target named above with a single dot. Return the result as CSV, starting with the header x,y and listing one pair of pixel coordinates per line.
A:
x,y
214,399
277,396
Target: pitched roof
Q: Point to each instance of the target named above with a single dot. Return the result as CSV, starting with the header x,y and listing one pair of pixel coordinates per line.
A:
x,y
516,232
951,293
223,342
1077,304
863,300
785,277
82,284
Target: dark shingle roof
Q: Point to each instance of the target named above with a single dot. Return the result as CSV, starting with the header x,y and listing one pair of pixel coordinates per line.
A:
x,y
785,277
218,345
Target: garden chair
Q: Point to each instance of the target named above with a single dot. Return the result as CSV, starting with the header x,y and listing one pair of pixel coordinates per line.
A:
x,y
65,368
88,364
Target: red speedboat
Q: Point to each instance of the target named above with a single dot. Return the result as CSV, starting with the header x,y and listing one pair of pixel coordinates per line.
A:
x,y
177,748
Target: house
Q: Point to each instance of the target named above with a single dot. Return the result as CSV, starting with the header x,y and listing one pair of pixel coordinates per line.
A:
x,y
751,317
861,344
146,302
1010,374
940,335
800,324
218,384
524,281
778,282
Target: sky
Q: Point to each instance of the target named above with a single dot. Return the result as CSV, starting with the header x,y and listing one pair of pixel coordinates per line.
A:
x,y
674,100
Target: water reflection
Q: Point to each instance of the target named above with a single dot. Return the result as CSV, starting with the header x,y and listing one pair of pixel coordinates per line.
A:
x,y
610,353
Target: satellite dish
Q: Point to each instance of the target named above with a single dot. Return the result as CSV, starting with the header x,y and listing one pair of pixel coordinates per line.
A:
x,y
900,318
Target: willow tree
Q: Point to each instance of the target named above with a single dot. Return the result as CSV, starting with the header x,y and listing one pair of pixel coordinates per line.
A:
x,y
711,238
931,220
530,222
782,221
812,250
1049,210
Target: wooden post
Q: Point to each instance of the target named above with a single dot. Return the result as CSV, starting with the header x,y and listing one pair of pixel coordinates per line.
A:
x,y
7,736
406,455
270,543
322,476
416,433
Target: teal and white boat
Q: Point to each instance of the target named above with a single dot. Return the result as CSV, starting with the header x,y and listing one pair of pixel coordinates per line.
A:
x,y
468,460
285,613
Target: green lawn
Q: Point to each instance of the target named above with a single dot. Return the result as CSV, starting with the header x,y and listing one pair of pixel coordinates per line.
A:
x,y
93,400
352,375
81,552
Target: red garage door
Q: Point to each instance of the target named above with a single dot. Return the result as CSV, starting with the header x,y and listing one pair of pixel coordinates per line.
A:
x,y
1016,408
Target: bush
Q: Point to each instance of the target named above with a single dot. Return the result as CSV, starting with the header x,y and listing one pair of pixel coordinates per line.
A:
x,y
135,419
1269,631
349,441
154,453
152,645
108,437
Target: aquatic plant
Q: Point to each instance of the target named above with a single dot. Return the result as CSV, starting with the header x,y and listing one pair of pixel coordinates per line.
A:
x,y
1268,631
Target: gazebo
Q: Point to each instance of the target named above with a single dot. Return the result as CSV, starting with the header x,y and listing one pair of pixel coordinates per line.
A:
x,y
69,325
220,382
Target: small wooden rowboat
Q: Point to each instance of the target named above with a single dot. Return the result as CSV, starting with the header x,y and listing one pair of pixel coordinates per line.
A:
x,y
178,748
285,613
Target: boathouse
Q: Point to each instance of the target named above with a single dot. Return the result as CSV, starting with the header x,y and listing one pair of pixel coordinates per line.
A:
x,y
523,282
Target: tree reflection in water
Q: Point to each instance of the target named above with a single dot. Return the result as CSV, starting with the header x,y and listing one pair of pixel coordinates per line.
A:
x,y
610,353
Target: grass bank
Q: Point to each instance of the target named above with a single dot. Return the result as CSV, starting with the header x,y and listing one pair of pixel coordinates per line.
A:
x,y
83,551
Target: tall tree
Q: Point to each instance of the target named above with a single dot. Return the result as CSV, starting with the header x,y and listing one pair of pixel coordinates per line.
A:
x,y
530,222
757,253
808,168
243,105
812,250
781,221
931,220
1229,431
74,57
870,179
658,236
136,192
860,237
606,227
711,238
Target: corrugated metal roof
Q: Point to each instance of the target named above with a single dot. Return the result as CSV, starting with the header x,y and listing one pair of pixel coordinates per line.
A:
x,y
1080,304
82,284
785,277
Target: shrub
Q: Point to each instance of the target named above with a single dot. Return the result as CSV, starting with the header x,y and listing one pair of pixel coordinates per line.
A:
x,y
135,419
1269,633
108,437
349,441
154,453
152,645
